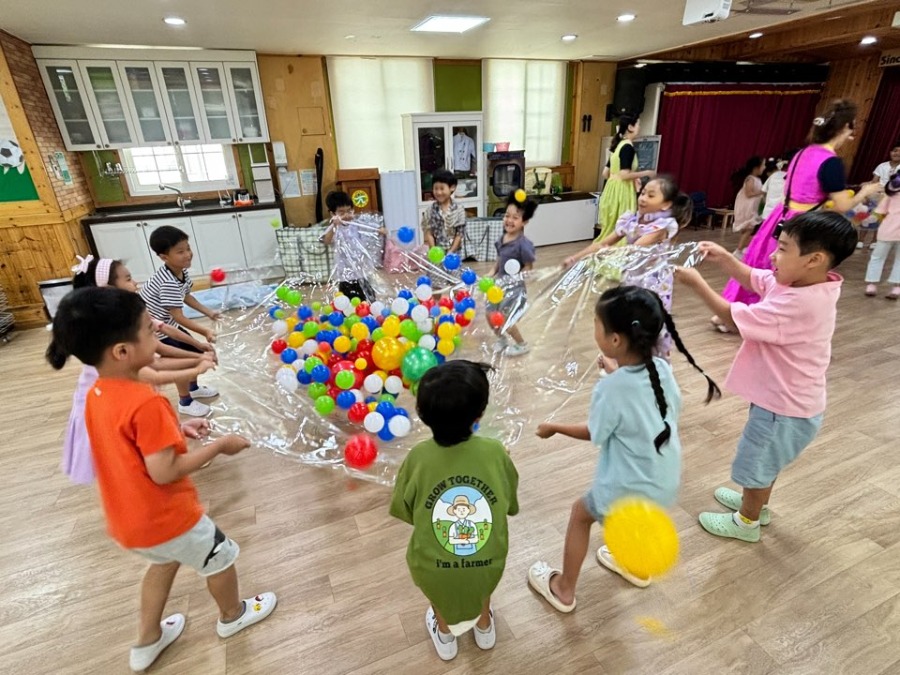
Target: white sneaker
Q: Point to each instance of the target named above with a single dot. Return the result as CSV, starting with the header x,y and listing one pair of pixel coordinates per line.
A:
x,y
517,349
486,639
256,609
605,558
501,344
204,392
142,658
446,650
195,409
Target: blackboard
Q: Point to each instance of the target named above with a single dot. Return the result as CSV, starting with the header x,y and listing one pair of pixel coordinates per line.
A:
x,y
647,148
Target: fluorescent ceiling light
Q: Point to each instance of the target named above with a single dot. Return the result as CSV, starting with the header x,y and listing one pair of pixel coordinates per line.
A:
x,y
640,65
756,35
625,18
868,40
110,46
449,24
175,21
569,37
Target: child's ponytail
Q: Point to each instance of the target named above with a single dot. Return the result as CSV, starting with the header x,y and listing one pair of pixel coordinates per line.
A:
x,y
56,355
647,341
712,389
625,121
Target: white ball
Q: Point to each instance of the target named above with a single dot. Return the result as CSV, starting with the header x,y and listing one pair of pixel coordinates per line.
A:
x,y
374,422
419,313
393,385
425,326
376,307
427,342
399,426
358,394
400,306
309,347
342,303
297,365
373,384
287,379
512,267
423,292
279,328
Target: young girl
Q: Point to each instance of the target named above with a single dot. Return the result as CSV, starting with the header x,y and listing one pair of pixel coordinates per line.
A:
x,y
456,490
177,366
634,421
746,203
515,254
888,240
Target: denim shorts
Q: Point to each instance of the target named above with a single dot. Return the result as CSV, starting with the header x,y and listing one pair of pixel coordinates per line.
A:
x,y
769,443
204,547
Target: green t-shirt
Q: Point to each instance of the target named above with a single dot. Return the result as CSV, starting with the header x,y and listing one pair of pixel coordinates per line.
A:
x,y
457,499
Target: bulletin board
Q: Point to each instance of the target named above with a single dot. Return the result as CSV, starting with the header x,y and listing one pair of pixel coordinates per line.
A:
x,y
16,184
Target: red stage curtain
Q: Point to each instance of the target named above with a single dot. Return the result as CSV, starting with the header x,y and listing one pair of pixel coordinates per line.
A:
x,y
883,128
709,131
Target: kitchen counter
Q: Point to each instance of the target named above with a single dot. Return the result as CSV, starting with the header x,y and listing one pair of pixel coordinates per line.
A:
x,y
150,212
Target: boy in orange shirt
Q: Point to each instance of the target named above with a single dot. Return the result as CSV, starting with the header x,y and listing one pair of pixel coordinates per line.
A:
x,y
142,467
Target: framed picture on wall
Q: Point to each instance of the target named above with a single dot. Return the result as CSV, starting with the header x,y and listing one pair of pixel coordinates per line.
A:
x,y
16,184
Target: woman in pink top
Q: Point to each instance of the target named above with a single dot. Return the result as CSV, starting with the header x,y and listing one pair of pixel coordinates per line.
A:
x,y
888,239
815,176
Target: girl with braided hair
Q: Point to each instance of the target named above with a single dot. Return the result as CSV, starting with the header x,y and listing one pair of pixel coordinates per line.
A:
x,y
633,419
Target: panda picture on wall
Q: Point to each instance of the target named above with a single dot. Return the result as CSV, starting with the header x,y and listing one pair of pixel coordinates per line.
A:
x,y
11,156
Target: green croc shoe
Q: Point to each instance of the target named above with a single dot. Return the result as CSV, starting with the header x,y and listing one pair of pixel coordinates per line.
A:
x,y
723,525
732,499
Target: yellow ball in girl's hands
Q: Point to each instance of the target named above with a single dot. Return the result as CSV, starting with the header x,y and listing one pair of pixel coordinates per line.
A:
x,y
520,195
641,537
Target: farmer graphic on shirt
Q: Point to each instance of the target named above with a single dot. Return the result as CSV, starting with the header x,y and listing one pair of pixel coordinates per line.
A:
x,y
463,533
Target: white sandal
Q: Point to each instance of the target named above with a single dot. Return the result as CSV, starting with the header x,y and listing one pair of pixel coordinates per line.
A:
x,y
605,558
539,576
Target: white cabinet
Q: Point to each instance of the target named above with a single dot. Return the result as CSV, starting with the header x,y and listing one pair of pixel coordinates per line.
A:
x,y
180,101
107,96
126,241
246,97
215,103
258,236
183,223
71,106
218,241
450,141
145,103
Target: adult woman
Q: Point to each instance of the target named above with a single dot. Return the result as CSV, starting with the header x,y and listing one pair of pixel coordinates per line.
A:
x,y
815,176
619,194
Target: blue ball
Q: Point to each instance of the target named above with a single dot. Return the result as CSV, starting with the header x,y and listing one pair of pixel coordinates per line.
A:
x,y
445,318
406,235
321,374
289,355
371,322
459,307
272,311
386,312
468,277
345,399
402,412
440,357
469,303
423,281
451,261
370,399
303,377
304,312
386,409
435,311
406,294
336,319
385,434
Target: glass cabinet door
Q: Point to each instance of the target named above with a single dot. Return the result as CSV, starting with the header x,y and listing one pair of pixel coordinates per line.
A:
x,y
143,95
73,110
432,153
465,153
181,103
248,107
105,90
211,88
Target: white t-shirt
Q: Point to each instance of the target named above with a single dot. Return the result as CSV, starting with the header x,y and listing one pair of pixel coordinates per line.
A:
x,y
883,171
774,189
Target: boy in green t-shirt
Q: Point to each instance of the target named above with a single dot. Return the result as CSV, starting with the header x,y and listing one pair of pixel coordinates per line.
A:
x,y
456,490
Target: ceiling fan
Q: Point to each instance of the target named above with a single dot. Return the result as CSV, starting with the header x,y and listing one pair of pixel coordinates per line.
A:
x,y
763,7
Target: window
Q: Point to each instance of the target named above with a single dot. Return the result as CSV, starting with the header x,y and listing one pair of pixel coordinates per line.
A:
x,y
190,168
524,104
368,97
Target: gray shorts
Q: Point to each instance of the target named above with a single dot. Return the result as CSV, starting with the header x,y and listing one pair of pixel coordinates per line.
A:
x,y
769,443
203,547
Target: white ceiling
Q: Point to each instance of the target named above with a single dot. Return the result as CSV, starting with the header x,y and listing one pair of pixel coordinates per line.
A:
x,y
517,29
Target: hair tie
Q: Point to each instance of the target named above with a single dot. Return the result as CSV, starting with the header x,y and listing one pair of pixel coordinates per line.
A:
x,y
819,122
83,264
635,324
101,273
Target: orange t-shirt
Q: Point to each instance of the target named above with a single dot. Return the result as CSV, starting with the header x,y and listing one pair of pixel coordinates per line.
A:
x,y
126,422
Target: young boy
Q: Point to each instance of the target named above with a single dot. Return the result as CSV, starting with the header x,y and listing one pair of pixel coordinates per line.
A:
x,y
515,254
353,250
780,367
456,490
166,293
444,224
142,467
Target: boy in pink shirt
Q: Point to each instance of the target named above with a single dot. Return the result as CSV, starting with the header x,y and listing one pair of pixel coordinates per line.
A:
x,y
780,367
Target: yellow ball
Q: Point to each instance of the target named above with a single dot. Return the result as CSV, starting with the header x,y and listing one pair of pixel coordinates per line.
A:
x,y
391,326
296,339
445,331
851,193
383,375
360,331
641,537
520,195
360,364
291,322
445,347
494,295
469,314
388,353
372,407
342,344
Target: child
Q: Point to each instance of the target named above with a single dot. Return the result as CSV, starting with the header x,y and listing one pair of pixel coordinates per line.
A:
x,y
444,224
456,490
633,420
780,367
142,465
353,259
774,185
166,293
746,203
515,254
888,240
178,366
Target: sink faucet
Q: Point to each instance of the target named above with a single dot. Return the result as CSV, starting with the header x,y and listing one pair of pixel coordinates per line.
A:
x,y
180,200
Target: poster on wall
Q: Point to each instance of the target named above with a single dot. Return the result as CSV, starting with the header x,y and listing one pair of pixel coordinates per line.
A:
x,y
16,184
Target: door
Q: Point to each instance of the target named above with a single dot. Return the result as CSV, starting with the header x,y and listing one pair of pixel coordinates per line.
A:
x,y
73,110
183,224
258,236
249,113
212,90
125,241
431,154
218,241
145,102
180,102
104,88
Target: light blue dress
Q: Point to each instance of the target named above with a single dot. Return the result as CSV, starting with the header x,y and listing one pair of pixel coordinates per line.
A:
x,y
623,421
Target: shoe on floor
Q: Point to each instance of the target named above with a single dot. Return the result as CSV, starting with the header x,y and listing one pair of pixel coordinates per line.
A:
x,y
733,499
501,344
446,650
255,610
195,409
723,525
486,639
204,392
517,349
871,290
539,575
605,558
894,294
142,658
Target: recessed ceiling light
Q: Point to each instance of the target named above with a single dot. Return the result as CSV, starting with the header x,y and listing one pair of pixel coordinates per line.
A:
x,y
755,36
349,37
868,40
625,18
640,65
175,21
449,24
569,38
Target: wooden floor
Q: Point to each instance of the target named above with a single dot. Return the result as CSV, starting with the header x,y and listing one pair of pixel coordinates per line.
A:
x,y
819,594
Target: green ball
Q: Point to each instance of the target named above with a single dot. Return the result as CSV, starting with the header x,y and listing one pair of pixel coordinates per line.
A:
x,y
416,363
344,379
281,292
390,398
409,330
377,334
485,283
436,255
317,390
351,321
294,298
316,306
354,302
311,363
457,340
324,404
279,314
310,329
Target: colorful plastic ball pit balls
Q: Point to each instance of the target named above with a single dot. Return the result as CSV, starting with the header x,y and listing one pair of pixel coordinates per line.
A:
x,y
436,255
217,275
468,277
360,451
278,346
406,235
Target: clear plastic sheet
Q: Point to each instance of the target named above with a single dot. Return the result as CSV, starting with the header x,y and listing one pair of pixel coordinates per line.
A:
x,y
557,305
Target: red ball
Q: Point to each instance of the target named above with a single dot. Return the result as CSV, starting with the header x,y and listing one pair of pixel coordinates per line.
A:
x,y
446,302
461,295
362,309
496,319
278,346
360,451
324,347
429,303
462,320
217,275
357,413
334,391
